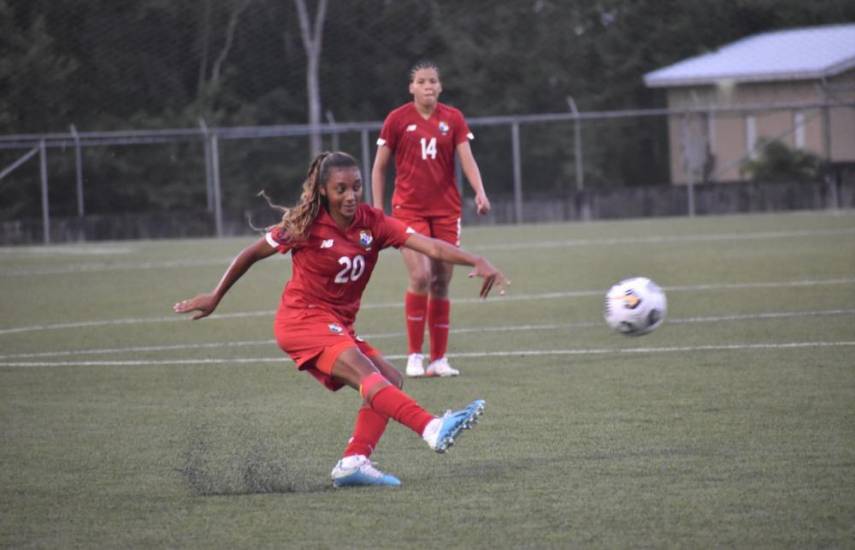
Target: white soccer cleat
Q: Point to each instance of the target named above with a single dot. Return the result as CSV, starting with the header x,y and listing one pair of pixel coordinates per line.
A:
x,y
416,365
357,471
440,367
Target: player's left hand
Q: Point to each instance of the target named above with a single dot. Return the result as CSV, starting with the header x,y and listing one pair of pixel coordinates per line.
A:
x,y
491,275
482,204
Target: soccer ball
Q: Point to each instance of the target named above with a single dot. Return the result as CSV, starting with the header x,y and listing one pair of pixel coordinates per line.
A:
x,y
635,306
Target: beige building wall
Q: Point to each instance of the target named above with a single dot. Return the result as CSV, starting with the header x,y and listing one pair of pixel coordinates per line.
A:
x,y
842,119
842,134
728,134
729,148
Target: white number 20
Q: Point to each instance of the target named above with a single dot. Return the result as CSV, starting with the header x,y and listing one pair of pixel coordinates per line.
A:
x,y
428,148
352,270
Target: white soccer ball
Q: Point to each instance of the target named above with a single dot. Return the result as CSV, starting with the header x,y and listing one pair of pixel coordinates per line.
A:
x,y
635,306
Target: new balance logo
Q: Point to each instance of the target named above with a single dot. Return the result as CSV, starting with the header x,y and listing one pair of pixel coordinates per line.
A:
x,y
328,243
411,128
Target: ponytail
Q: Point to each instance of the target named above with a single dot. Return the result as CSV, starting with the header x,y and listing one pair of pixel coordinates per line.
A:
x,y
297,219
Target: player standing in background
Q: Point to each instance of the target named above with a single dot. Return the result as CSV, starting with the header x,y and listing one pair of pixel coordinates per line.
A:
x,y
334,243
423,136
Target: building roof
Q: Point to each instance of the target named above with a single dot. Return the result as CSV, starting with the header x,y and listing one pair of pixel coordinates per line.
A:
x,y
794,54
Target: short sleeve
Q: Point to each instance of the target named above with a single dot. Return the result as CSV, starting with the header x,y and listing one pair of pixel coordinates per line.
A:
x,y
391,232
462,132
388,135
278,239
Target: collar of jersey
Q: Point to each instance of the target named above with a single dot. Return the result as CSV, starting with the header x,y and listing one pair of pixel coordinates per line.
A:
x,y
325,218
435,112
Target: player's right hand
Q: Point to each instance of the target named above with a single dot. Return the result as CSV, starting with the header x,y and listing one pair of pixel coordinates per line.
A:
x,y
202,304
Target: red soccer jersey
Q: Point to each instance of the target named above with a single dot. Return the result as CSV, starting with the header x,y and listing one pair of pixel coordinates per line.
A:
x,y
424,158
331,267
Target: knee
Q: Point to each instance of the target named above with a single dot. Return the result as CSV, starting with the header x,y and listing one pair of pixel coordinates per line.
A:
x,y
439,286
371,384
420,281
396,379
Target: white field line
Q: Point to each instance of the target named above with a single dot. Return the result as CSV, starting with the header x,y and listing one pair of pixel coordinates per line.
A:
x,y
512,353
495,300
569,243
400,334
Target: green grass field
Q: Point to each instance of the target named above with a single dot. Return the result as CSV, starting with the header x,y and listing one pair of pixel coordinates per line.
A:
x,y
733,425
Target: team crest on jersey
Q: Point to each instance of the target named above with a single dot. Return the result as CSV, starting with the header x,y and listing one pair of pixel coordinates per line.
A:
x,y
335,328
443,127
365,238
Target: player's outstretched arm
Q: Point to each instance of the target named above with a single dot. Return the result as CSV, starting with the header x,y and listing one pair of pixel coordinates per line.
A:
x,y
205,304
444,252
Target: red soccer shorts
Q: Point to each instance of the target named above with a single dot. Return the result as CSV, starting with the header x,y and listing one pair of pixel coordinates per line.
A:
x,y
444,228
314,339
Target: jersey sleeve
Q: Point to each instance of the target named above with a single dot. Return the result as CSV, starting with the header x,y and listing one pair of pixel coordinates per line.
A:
x,y
388,134
462,132
278,239
391,232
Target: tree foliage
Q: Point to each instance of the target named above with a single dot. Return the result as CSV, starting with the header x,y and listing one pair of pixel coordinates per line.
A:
x,y
779,162
127,64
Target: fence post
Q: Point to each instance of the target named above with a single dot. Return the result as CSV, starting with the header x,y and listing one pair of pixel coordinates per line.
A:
x,y
366,165
209,186
515,145
691,198
577,144
45,202
215,177
78,171
331,120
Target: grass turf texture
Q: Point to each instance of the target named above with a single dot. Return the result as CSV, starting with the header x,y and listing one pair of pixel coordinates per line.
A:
x,y
590,438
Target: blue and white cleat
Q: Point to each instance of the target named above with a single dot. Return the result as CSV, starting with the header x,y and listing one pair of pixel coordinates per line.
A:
x,y
440,432
357,471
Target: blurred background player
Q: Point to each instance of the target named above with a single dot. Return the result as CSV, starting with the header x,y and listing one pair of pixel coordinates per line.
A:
x,y
423,136
334,242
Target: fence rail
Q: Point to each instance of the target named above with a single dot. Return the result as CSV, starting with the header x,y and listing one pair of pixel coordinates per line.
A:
x,y
212,137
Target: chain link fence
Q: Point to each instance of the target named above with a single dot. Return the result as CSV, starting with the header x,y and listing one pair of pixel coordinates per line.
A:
x,y
546,167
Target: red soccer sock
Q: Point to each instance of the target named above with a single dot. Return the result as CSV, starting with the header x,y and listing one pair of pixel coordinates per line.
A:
x,y
392,402
439,316
367,432
415,310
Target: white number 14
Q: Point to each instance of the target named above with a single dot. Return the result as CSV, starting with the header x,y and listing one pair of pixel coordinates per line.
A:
x,y
428,148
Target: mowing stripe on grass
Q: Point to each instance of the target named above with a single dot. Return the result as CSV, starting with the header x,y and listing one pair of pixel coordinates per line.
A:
x,y
511,353
510,297
100,266
400,334
669,239
568,243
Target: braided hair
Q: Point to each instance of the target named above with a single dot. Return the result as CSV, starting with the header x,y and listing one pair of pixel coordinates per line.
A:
x,y
422,64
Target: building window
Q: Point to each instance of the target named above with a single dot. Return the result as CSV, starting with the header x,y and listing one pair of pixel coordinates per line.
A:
x,y
750,135
799,129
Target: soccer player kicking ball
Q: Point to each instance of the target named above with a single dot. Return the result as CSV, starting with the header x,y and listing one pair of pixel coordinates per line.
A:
x,y
423,136
334,243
